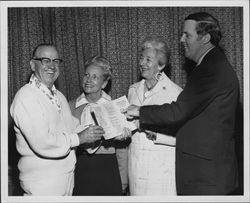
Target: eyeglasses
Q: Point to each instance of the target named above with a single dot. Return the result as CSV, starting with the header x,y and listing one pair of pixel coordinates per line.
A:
x,y
47,61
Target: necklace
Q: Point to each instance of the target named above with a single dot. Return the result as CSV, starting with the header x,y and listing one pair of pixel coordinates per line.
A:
x,y
51,94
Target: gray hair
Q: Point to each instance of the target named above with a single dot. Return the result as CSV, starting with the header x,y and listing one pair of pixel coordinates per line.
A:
x,y
160,46
42,45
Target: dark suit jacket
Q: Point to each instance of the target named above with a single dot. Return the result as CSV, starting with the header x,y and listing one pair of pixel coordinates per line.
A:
x,y
205,112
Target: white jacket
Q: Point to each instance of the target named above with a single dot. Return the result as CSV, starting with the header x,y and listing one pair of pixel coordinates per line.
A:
x,y
165,91
151,164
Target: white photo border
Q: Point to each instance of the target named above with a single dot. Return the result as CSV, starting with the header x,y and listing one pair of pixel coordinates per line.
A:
x,y
4,98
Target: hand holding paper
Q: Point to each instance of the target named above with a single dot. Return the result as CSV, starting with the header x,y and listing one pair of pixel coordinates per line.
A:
x,y
132,111
91,134
109,116
126,133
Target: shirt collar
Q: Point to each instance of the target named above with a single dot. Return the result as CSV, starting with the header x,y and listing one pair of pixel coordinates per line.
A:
x,y
201,58
35,81
81,100
51,95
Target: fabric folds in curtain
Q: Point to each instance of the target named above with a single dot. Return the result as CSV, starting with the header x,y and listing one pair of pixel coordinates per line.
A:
x,y
115,33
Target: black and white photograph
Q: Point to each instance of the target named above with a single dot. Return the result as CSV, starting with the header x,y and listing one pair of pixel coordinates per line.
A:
x,y
125,101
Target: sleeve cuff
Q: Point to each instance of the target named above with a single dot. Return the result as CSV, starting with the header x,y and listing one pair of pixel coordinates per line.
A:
x,y
165,140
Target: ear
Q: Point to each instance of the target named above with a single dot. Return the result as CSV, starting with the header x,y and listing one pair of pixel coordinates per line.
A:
x,y
206,38
32,65
104,84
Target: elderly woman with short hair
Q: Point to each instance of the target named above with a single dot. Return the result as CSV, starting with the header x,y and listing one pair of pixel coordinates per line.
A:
x,y
151,156
97,168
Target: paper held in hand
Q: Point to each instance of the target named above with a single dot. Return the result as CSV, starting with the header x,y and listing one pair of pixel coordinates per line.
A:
x,y
109,116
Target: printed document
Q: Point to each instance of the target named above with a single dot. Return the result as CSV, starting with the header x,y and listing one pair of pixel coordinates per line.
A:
x,y
109,116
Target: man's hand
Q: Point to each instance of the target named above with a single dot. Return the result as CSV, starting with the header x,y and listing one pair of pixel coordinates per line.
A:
x,y
132,111
91,134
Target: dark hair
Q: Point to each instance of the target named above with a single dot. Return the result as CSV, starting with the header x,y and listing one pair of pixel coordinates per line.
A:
x,y
102,63
160,46
206,23
41,45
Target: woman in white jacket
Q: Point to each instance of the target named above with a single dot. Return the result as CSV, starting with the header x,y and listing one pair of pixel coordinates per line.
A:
x,y
151,159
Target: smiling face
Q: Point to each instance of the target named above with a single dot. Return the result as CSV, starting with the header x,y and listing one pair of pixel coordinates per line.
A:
x,y
47,74
192,42
93,80
149,63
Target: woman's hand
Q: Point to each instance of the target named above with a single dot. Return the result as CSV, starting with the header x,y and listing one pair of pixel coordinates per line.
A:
x,y
91,134
126,133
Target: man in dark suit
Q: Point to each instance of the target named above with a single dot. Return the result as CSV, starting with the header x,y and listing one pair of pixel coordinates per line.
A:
x,y
204,113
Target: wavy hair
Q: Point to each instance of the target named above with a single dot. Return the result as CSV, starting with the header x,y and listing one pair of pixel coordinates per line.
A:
x,y
102,63
160,46
206,23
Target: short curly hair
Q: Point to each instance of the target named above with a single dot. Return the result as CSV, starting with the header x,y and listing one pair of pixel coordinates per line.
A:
x,y
160,46
102,63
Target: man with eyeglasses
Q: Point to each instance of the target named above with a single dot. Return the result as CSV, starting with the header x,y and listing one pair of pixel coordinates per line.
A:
x,y
45,129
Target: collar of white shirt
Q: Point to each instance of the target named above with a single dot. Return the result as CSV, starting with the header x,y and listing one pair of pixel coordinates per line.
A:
x,y
51,94
81,100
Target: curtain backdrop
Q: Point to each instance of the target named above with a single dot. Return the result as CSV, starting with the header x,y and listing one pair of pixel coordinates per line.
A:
x,y
115,33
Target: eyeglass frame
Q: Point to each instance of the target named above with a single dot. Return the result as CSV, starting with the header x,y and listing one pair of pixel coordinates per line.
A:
x,y
41,59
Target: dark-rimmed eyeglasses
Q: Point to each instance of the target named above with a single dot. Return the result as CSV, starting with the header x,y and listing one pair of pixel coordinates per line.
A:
x,y
47,61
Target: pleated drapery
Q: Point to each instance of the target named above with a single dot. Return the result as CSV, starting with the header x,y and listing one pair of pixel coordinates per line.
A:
x,y
115,33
